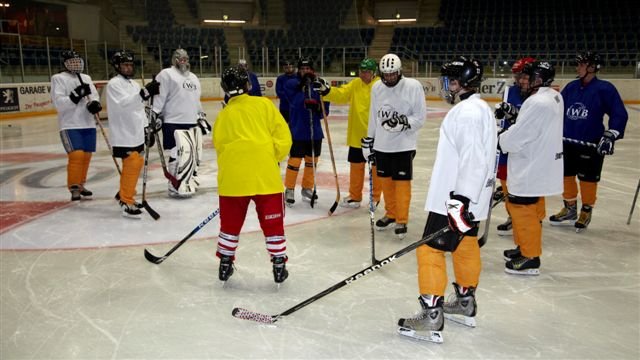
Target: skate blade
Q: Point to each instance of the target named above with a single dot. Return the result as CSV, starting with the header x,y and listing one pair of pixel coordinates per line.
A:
x,y
505,233
579,230
564,223
461,319
401,236
290,205
432,336
529,272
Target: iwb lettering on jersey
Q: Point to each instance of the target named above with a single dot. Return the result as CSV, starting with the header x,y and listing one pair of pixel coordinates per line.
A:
x,y
577,111
188,85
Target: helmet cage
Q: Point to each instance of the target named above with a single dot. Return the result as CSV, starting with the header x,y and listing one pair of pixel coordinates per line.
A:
x,y
180,60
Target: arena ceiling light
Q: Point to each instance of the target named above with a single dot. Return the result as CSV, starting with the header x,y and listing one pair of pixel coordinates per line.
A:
x,y
396,20
225,20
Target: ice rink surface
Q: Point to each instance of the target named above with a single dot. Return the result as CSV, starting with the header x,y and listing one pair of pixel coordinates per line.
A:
x,y
75,283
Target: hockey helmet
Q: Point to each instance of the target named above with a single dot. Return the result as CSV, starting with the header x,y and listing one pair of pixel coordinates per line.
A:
x,y
180,59
72,61
235,81
590,58
467,72
390,64
518,66
368,64
305,61
120,57
539,70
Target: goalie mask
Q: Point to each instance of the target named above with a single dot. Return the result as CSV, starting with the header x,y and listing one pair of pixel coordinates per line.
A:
x,y
390,70
72,61
121,57
235,81
180,59
466,72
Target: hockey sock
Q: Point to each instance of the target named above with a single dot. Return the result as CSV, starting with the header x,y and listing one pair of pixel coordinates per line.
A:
x,y
403,200
307,174
389,191
431,300
293,166
227,245
466,262
432,270
75,167
356,181
131,167
527,228
541,208
570,193
588,192
85,166
377,186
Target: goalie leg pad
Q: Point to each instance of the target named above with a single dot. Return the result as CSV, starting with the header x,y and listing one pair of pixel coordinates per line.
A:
x,y
197,134
184,165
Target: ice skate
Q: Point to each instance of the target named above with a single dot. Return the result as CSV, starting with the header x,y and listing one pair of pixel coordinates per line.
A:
x,y
584,219
505,229
511,254
86,193
461,306
280,273
226,268
75,192
384,223
567,216
348,202
426,325
130,211
523,266
307,194
400,231
289,197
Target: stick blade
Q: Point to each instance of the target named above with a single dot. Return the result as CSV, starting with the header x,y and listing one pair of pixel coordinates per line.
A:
x,y
333,208
152,258
245,314
151,212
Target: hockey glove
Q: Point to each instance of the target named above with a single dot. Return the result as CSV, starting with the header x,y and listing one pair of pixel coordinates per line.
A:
x,y
204,125
367,148
322,86
152,88
605,146
94,107
460,219
149,137
155,122
506,111
312,104
79,92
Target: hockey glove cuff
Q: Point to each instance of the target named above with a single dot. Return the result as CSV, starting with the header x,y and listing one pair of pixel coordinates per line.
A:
x,y
460,219
367,148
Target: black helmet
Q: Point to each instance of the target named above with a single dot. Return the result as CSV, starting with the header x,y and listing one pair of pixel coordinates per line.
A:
x,y
542,70
467,71
72,61
69,54
120,57
590,58
235,81
305,61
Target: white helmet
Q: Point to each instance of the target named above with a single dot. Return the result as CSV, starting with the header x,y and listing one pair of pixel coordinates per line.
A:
x,y
390,64
180,60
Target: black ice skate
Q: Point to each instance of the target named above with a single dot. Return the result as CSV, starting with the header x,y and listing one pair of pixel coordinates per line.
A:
x,y
280,273
75,192
226,268
85,192
511,254
130,211
523,266
567,216
505,229
289,197
584,219
426,325
461,306
384,223
307,194
401,231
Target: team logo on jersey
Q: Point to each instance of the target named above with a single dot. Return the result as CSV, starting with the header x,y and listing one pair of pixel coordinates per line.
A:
x,y
577,111
189,86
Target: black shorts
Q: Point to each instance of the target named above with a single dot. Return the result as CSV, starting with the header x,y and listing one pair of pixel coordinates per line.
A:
x,y
397,166
300,149
168,138
451,239
583,161
124,151
355,155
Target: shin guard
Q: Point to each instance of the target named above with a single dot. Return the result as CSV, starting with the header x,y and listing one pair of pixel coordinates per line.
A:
x,y
356,181
308,175
131,167
293,166
75,168
588,192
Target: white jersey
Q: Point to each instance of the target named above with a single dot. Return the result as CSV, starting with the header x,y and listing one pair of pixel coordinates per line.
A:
x,y
125,108
70,115
534,145
465,158
179,98
406,98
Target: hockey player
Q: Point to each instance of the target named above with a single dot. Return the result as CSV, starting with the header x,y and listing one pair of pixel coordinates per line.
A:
x,y
459,194
254,84
397,111
534,169
289,73
507,112
357,93
250,137
77,103
127,122
304,109
586,101
184,122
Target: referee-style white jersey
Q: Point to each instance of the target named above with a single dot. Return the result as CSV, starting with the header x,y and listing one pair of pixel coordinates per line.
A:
x,y
179,98
534,145
125,108
465,158
70,115
406,98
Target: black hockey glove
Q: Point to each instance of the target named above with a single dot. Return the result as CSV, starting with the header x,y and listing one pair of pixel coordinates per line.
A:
x,y
506,111
204,125
367,148
605,146
79,92
322,86
460,219
312,104
152,88
149,137
94,107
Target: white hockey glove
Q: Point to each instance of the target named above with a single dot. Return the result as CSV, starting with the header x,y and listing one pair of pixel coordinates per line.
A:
x,y
155,122
506,111
460,219
203,123
605,146
367,148
397,123
322,86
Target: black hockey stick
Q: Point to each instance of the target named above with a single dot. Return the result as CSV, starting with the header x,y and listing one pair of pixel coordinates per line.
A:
x,y
313,151
633,204
154,214
245,314
371,216
333,160
157,260
580,142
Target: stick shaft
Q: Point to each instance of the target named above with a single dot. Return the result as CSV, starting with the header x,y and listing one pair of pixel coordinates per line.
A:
x,y
333,160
